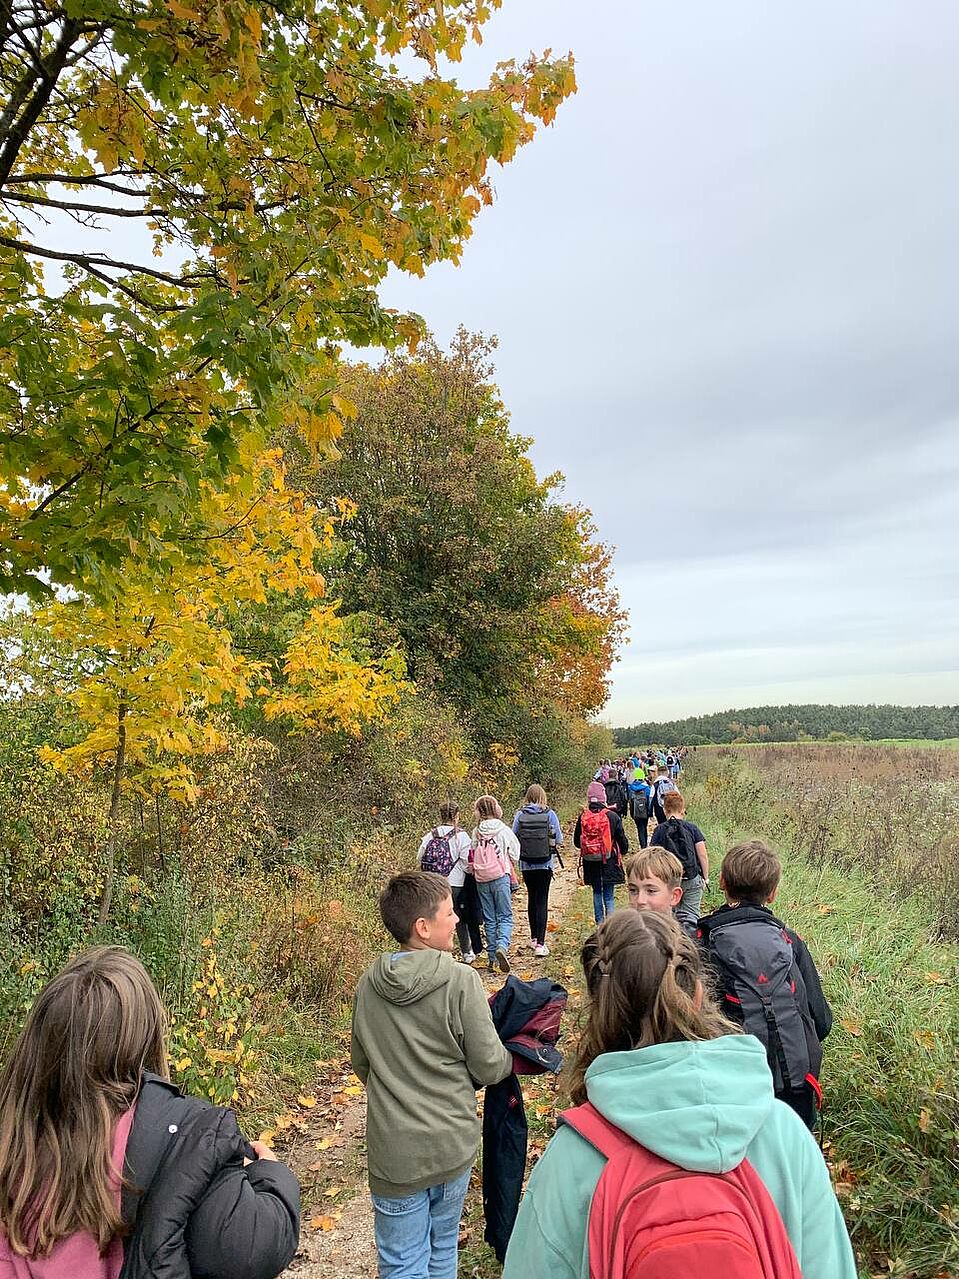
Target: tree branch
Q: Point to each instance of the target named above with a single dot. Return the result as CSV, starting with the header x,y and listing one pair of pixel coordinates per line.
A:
x,y
69,206
16,133
90,262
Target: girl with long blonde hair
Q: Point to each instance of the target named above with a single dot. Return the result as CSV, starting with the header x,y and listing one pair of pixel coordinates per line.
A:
x,y
658,1066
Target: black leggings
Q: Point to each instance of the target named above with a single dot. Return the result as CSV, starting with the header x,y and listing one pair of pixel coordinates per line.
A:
x,y
466,904
537,888
642,826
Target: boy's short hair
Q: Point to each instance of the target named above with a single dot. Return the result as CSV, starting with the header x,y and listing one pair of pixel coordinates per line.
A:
x,y
412,895
751,871
658,862
673,803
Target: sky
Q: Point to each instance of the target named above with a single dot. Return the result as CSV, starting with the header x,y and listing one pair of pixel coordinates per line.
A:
x,y
726,290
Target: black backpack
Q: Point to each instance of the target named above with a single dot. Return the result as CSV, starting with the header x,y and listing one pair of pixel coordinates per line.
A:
x,y
616,796
764,990
674,835
533,835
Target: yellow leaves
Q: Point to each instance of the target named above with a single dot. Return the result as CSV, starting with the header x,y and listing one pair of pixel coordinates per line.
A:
x,y
371,244
851,1026
936,979
925,1039
307,1102
925,1118
182,11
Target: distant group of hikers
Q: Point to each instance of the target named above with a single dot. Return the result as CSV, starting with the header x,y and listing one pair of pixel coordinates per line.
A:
x,y
694,1084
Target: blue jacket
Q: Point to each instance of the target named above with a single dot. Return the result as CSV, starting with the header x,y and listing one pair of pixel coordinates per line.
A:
x,y
555,831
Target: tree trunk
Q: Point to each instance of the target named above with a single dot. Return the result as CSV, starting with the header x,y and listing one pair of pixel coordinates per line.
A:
x,y
110,852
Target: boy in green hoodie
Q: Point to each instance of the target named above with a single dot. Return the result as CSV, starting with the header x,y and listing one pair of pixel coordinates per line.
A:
x,y
423,1042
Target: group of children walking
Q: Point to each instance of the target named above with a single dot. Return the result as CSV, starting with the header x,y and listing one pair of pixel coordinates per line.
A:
x,y
677,1151
481,871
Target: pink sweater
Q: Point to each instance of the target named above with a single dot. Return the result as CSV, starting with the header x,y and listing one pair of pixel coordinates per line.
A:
x,y
77,1256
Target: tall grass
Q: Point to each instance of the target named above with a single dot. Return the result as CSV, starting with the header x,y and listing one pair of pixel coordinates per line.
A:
x,y
866,884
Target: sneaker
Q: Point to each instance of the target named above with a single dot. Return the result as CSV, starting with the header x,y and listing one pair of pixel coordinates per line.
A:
x,y
502,959
469,957
531,945
541,952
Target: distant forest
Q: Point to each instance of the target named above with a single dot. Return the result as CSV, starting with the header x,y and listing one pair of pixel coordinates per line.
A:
x,y
798,723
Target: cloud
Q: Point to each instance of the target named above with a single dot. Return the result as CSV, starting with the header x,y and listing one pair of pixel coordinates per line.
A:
x,y
727,291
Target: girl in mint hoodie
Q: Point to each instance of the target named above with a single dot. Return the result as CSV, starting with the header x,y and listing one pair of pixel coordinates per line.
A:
x,y
660,1062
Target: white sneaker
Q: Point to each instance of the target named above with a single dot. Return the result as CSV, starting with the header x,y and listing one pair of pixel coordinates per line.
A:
x,y
531,945
469,957
541,952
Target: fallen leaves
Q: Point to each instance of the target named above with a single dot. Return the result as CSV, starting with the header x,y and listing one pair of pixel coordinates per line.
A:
x,y
851,1026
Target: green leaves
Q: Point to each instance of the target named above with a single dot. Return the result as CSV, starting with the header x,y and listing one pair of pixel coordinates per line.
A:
x,y
281,167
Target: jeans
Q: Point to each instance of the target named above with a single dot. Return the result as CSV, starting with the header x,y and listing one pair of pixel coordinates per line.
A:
x,y
537,890
692,899
416,1236
603,902
466,904
497,914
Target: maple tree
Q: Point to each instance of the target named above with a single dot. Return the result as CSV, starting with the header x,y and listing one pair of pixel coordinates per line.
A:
x,y
267,164
142,670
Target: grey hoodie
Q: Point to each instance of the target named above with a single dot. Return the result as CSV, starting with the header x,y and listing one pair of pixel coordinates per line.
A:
x,y
423,1042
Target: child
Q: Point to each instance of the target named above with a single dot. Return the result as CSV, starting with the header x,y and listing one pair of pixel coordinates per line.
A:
x,y
639,803
660,785
85,1094
654,881
494,848
688,843
445,850
660,1064
600,837
539,832
767,976
423,1042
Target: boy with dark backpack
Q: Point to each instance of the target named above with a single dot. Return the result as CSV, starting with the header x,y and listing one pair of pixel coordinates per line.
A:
x,y
686,842
767,977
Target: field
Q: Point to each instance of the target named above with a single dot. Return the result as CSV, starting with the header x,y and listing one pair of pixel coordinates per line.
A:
x,y
870,842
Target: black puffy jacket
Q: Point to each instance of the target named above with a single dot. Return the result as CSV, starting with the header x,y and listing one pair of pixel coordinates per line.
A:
x,y
195,1211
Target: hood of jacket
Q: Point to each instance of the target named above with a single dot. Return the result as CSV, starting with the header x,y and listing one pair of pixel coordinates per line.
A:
x,y
409,976
698,1105
493,826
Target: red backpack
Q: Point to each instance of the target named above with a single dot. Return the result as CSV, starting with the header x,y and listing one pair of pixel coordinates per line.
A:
x,y
650,1219
595,836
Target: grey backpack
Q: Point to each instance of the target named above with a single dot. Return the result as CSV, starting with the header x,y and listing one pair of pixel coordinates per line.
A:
x,y
764,985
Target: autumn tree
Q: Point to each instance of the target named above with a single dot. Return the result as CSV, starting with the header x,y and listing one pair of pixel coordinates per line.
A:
x,y
222,184
499,592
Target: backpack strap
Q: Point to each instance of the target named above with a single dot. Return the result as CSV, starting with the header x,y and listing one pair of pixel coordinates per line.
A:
x,y
598,1131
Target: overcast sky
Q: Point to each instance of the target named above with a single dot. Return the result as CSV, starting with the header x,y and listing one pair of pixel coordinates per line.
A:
x,y
726,288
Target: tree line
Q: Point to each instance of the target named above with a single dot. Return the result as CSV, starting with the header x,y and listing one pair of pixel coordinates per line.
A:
x,y
798,723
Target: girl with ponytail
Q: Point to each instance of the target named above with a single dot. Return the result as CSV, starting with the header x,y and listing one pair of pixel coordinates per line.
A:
x,y
659,1063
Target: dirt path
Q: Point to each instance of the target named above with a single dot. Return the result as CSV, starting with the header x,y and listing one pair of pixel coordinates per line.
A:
x,y
328,1152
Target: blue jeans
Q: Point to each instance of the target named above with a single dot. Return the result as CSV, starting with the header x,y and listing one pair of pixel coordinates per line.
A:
x,y
416,1236
495,899
603,902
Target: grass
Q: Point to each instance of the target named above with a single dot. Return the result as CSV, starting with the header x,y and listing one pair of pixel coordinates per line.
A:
x,y
890,1072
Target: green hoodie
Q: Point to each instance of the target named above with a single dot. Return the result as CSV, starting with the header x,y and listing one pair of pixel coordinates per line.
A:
x,y
423,1042
703,1106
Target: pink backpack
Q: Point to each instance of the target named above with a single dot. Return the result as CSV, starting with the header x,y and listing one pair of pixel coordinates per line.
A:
x,y
486,859
650,1219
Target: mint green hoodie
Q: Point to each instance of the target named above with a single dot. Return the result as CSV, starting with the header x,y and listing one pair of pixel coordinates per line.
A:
x,y
704,1106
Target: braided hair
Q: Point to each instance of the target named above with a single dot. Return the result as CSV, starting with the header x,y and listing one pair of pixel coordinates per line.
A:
x,y
644,979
